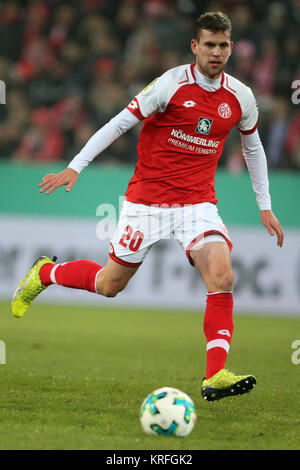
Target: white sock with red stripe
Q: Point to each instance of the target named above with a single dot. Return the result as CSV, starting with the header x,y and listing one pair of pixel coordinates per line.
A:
x,y
218,329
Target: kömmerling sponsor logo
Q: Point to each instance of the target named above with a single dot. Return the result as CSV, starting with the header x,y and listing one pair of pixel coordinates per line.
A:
x,y
194,139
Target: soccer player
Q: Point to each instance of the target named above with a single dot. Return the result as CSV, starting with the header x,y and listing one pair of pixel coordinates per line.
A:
x,y
187,112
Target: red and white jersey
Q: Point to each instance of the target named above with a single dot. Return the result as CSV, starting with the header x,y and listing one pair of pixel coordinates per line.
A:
x,y
185,127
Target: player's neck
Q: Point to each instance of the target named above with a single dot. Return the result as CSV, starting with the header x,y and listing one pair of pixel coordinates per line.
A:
x,y
198,69
210,84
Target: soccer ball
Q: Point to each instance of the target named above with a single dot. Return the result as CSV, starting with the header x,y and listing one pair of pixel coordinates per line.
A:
x,y
168,411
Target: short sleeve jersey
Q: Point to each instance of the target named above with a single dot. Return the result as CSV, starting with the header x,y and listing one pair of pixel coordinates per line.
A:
x,y
182,138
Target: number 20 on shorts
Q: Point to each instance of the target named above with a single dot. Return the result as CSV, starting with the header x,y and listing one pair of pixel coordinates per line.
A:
x,y
130,239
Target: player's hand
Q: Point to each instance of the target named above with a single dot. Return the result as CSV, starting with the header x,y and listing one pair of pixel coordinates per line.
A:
x,y
273,226
52,181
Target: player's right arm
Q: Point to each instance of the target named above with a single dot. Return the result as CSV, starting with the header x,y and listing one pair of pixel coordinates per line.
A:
x,y
104,137
52,181
151,100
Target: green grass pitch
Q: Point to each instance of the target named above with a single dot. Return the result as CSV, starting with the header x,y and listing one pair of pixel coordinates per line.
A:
x,y
75,378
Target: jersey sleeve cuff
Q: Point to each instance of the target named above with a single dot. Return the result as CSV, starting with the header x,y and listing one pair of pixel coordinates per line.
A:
x,y
248,132
75,167
265,207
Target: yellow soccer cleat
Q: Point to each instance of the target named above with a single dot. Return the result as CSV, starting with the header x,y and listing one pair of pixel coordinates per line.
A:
x,y
226,384
29,288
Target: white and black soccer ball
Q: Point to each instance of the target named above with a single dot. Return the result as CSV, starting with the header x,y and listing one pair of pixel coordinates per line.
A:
x,y
168,411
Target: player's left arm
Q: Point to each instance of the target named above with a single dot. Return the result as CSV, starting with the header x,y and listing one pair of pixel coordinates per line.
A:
x,y
256,161
272,224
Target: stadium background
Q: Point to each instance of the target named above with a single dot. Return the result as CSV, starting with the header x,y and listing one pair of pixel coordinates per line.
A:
x,y
69,67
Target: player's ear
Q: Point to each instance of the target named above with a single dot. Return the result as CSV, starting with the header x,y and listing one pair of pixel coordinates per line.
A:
x,y
231,47
194,44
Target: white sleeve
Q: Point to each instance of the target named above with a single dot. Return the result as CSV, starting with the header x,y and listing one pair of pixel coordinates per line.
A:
x,y
104,137
153,98
248,121
256,161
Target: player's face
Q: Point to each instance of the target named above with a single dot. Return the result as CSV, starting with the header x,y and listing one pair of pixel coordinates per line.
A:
x,y
212,51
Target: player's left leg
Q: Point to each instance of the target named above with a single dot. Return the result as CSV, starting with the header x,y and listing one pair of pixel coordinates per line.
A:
x,y
213,262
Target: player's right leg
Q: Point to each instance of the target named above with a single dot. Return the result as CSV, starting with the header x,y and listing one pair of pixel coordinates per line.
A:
x,y
129,247
114,278
80,274
29,288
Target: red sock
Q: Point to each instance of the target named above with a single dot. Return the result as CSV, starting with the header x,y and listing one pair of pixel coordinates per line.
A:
x,y
218,329
79,274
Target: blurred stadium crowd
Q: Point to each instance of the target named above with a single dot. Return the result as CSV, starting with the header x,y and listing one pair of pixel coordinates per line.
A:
x,y
71,66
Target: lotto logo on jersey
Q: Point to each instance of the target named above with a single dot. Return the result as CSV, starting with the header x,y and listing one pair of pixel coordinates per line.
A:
x,y
204,125
189,104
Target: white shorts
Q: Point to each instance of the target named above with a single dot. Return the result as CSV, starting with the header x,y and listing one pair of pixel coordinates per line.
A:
x,y
140,226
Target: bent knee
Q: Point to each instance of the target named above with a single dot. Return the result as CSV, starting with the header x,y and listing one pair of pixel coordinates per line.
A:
x,y
110,289
109,292
223,280
227,279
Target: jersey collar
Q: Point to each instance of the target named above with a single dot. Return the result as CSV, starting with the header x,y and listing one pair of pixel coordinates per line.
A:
x,y
193,66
